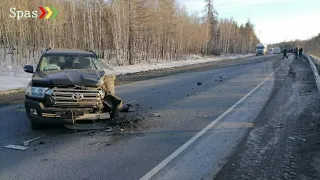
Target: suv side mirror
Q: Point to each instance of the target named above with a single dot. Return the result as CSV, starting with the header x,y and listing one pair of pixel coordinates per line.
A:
x,y
28,68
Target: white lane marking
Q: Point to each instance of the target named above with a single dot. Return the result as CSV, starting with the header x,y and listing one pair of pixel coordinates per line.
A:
x,y
11,107
164,90
162,164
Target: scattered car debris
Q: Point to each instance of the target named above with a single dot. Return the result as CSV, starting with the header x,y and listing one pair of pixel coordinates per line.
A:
x,y
155,115
26,143
44,159
199,83
298,138
278,127
41,142
16,147
126,108
304,140
124,122
108,130
86,127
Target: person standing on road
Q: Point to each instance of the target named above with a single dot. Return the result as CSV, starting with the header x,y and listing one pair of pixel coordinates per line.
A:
x,y
296,52
285,53
300,52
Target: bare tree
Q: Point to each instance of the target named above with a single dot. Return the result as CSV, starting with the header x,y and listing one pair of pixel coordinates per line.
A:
x,y
127,31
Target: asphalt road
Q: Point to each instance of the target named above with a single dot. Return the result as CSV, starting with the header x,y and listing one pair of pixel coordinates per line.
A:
x,y
187,130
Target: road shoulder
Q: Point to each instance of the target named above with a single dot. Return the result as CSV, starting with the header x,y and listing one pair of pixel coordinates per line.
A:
x,y
283,143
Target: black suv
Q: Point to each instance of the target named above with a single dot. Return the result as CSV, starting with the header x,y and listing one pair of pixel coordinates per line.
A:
x,y
65,88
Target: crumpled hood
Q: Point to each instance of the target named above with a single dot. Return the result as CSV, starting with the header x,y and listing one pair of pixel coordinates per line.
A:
x,y
67,78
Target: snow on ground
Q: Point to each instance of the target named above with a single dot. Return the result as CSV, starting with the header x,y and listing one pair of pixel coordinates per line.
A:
x,y
13,77
316,58
117,70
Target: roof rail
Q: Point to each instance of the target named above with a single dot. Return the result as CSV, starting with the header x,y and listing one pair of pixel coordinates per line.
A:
x,y
93,52
48,49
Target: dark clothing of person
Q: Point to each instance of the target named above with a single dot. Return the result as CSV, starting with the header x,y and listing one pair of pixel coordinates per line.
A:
x,y
296,52
285,53
300,52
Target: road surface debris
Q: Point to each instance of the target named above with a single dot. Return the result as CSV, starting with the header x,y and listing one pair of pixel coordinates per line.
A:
x,y
203,116
86,127
154,115
16,147
26,143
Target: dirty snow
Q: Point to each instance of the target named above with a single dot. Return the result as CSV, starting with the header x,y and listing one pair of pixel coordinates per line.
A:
x,y
13,77
117,70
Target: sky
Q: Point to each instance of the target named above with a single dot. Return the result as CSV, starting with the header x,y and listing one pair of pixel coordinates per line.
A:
x,y
274,20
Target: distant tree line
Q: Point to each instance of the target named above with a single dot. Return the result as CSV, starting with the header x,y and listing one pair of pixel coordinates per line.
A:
x,y
311,46
130,31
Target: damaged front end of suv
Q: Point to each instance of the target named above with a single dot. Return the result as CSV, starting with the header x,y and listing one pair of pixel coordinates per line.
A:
x,y
68,87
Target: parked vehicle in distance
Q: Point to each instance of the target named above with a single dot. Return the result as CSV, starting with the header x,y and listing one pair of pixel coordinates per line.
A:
x,y
271,51
277,50
261,49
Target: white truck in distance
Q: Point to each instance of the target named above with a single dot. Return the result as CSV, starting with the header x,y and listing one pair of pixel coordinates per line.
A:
x,y
261,49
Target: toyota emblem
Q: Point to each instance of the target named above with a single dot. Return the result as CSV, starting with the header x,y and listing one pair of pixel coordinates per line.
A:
x,y
77,96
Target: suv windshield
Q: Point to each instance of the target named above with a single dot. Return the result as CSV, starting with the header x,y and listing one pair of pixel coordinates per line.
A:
x,y
62,62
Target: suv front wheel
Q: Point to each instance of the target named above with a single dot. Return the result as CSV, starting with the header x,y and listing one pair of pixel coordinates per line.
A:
x,y
33,124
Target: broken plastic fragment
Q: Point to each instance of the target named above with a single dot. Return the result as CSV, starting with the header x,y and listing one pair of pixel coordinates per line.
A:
x,y
16,147
26,143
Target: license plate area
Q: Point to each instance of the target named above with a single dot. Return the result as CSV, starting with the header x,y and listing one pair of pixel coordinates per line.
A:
x,y
70,114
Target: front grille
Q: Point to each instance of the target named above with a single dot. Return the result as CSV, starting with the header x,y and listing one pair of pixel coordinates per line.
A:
x,y
76,98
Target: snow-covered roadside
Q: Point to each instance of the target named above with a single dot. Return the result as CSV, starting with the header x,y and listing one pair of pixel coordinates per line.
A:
x,y
117,70
8,83
20,80
316,58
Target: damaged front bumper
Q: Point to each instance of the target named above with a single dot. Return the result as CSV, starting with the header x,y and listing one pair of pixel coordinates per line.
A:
x,y
37,112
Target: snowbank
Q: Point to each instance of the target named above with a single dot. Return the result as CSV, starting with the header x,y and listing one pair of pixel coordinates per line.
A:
x,y
15,78
117,70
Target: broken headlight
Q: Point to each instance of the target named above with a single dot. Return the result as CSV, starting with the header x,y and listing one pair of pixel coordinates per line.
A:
x,y
102,94
36,92
101,82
